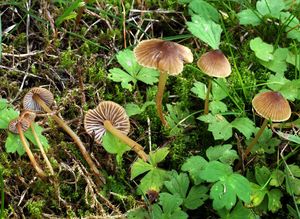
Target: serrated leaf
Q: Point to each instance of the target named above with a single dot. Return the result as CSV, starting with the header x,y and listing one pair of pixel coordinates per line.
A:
x,y
262,175
206,30
178,185
118,75
217,106
261,49
274,203
200,90
257,195
169,203
249,17
6,116
128,62
196,197
13,144
139,167
153,180
133,109
277,177
244,125
215,171
278,63
224,153
114,146
204,9
194,165
219,89
158,155
270,8
221,129
148,76
222,195
241,185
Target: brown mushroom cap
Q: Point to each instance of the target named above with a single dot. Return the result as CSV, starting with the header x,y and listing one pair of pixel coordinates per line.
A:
x,y
30,104
12,126
214,64
28,115
163,55
106,110
272,105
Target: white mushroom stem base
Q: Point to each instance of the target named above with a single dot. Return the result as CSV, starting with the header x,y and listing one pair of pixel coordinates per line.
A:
x,y
137,148
72,134
36,166
161,87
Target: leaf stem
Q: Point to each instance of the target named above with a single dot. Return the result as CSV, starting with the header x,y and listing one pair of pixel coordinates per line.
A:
x,y
161,87
206,103
137,148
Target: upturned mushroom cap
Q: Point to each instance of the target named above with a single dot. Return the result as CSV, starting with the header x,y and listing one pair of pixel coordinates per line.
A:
x,y
30,116
214,64
163,55
106,110
30,104
12,126
272,105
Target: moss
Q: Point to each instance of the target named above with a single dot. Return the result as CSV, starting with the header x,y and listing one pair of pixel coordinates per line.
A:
x,y
35,208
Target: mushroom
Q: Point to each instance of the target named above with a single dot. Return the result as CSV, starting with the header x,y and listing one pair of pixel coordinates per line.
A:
x,y
213,64
19,126
110,116
165,56
30,117
38,99
271,106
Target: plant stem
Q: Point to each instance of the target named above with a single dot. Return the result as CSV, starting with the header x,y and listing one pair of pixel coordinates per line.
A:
x,y
41,149
2,193
137,148
161,87
38,169
258,134
72,134
207,97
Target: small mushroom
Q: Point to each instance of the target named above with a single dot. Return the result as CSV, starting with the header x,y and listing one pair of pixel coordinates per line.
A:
x,y
19,126
110,116
38,99
30,117
165,56
271,106
213,64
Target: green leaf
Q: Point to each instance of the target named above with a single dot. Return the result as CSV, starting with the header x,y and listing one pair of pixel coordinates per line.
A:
x,y
244,125
38,130
294,59
13,144
194,166
249,17
270,8
158,155
292,25
241,185
219,89
257,195
118,75
200,90
169,203
6,116
178,185
3,103
261,49
224,153
262,175
148,76
239,212
206,30
196,197
215,171
204,9
278,63
133,109
292,185
153,180
277,177
138,213
217,106
274,203
139,167
222,195
295,170
128,62
69,12
114,146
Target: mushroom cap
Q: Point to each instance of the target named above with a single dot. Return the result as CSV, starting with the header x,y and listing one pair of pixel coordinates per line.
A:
x,y
106,110
12,126
215,64
28,115
272,105
166,56
30,104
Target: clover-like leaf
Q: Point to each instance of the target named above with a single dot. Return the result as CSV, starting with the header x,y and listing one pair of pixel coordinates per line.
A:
x,y
178,185
222,195
6,116
278,63
13,144
196,197
277,178
274,197
215,171
244,125
262,175
270,8
200,90
153,180
249,17
194,166
262,50
204,9
224,153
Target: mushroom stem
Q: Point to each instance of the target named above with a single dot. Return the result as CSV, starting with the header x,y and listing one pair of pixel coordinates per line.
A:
x,y
36,166
161,87
37,139
137,148
72,134
258,134
207,97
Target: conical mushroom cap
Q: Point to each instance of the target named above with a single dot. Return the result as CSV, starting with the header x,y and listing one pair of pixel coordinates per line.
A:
x,y
162,55
12,126
272,105
214,64
106,110
30,104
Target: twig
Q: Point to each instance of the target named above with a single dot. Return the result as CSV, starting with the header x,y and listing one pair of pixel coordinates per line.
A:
x,y
23,55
